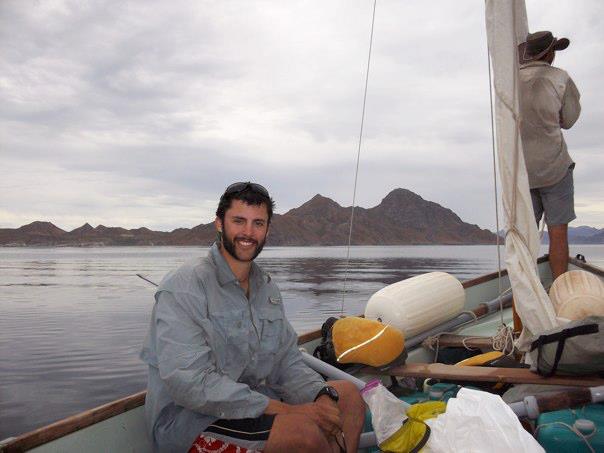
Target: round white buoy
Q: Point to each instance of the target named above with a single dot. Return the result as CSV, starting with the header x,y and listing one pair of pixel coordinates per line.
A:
x,y
418,303
577,294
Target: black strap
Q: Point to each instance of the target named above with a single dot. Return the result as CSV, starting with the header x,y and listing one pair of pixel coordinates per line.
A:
x,y
561,338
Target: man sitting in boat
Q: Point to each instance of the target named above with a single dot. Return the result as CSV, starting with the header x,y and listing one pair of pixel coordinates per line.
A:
x,y
224,367
549,101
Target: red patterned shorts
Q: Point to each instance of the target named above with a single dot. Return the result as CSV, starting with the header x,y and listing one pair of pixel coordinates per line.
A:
x,y
207,444
247,435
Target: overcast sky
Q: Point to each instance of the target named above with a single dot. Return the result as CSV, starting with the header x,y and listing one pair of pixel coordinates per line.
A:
x,y
139,113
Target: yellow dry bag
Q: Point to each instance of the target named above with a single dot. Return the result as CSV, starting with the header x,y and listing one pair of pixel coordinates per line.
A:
x,y
360,340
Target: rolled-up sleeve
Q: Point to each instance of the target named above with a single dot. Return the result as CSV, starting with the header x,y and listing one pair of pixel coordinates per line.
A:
x,y
187,364
297,383
571,107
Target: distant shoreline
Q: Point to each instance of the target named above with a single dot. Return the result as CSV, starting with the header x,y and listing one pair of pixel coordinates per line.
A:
x,y
91,246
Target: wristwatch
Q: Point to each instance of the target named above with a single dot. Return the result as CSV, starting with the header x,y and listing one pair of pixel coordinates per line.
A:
x,y
330,392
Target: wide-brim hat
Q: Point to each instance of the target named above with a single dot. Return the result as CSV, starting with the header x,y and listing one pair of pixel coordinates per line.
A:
x,y
538,44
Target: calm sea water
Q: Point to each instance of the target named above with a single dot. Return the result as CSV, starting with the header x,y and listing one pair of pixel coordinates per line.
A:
x,y
73,319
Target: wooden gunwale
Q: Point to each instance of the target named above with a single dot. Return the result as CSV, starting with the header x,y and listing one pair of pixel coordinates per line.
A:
x,y
493,275
588,267
72,424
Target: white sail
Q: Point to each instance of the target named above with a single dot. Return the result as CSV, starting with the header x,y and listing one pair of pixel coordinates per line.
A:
x,y
507,27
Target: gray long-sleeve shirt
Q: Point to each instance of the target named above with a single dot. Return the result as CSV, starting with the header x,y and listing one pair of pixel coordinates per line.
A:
x,y
549,102
212,353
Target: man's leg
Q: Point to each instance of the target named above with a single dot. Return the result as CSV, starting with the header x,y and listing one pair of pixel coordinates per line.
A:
x,y
559,206
558,249
352,408
298,433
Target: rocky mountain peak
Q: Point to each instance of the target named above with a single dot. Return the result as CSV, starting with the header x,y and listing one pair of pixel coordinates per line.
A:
x,y
40,227
316,205
86,228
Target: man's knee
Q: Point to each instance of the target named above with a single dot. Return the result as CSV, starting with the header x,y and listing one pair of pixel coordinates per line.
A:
x,y
295,432
349,394
346,389
307,436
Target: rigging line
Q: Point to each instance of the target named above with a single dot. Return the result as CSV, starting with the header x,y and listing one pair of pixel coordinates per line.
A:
x,y
495,183
146,279
356,174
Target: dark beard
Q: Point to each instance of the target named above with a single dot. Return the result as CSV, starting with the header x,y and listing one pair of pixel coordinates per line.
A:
x,y
229,246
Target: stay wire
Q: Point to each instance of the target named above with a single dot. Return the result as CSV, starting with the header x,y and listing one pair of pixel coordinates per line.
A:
x,y
356,174
496,191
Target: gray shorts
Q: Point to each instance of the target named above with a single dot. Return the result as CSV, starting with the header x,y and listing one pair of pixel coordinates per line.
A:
x,y
557,201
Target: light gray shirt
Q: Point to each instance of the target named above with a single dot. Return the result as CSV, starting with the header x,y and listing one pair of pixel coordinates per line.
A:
x,y
212,353
549,102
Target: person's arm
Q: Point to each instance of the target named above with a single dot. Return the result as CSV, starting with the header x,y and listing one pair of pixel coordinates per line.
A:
x,y
295,381
324,413
571,107
187,364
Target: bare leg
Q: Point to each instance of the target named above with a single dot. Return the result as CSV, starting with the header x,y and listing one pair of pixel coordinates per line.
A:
x,y
296,433
558,249
352,408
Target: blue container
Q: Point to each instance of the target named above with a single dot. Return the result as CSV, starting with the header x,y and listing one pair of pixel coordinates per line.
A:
x,y
555,437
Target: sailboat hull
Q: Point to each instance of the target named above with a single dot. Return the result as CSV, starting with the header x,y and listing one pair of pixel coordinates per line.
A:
x,y
120,426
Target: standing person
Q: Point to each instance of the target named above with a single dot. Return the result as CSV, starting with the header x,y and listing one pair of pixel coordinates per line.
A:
x,y
549,102
225,371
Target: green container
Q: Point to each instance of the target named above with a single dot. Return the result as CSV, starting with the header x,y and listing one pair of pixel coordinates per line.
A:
x,y
557,438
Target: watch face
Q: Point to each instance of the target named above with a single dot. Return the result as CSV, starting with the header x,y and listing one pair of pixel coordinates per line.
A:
x,y
331,392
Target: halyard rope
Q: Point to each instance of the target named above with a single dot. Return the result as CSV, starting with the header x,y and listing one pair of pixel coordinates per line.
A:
x,y
356,174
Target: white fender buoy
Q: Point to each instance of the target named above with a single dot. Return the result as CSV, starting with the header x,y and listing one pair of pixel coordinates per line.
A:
x,y
418,303
577,294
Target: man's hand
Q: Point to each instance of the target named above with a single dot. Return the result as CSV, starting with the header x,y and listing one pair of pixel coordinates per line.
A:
x,y
325,413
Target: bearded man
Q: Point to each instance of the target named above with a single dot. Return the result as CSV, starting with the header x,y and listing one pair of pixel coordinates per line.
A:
x,y
225,372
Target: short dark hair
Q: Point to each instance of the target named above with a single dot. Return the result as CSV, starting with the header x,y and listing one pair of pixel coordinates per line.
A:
x,y
249,195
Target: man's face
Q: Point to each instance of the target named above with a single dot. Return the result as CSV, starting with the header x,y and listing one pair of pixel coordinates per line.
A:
x,y
244,230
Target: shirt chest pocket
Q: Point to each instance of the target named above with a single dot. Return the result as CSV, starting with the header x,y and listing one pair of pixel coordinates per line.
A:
x,y
230,343
271,321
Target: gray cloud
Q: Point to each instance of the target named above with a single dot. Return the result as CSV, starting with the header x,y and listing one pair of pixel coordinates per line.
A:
x,y
139,113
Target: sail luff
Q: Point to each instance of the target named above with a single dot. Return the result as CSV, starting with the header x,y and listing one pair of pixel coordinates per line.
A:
x,y
506,27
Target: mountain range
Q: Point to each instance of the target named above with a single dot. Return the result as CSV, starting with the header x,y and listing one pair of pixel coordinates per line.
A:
x,y
402,217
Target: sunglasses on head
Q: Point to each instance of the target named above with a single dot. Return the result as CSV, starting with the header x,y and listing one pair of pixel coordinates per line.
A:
x,y
239,187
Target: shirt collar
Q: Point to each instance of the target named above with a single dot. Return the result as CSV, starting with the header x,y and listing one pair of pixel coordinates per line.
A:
x,y
535,63
225,274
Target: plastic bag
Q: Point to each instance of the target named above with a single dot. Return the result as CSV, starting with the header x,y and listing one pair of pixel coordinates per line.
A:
x,y
414,433
477,421
388,413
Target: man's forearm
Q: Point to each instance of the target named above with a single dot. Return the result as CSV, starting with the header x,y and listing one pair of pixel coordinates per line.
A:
x,y
277,407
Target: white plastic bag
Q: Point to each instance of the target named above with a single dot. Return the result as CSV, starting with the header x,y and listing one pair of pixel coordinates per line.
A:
x,y
477,421
388,413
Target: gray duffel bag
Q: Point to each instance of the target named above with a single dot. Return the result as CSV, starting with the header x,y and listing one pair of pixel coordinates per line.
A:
x,y
576,348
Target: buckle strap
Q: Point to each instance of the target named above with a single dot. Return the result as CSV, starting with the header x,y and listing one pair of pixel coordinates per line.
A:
x,y
561,338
